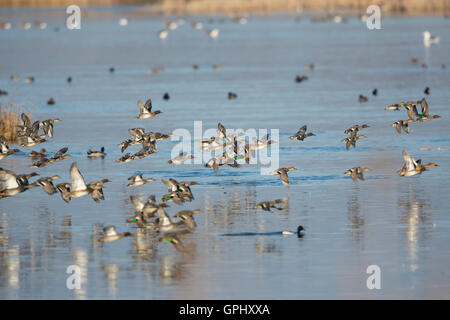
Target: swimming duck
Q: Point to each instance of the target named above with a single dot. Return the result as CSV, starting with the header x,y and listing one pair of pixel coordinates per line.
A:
x,y
362,98
29,79
414,60
156,69
232,95
146,110
283,173
351,141
64,190
112,69
51,101
110,234
47,184
138,180
5,150
299,79
166,96
413,167
96,154
427,90
356,173
47,126
266,205
425,115
301,134
40,154
182,157
197,25
402,124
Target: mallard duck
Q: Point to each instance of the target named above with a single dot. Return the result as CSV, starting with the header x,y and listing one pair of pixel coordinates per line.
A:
x,y
362,98
146,110
301,134
356,173
413,167
283,173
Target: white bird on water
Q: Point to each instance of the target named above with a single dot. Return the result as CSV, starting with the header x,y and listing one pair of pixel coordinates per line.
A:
x,y
428,39
213,33
123,21
163,34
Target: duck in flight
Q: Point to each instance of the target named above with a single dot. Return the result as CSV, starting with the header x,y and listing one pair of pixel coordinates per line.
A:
x,y
413,167
145,110
301,134
283,173
356,173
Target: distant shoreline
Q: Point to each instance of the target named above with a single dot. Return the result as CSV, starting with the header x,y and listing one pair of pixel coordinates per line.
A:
x,y
202,7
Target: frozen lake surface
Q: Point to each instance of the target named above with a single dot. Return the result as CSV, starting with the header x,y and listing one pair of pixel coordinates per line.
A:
x,y
400,224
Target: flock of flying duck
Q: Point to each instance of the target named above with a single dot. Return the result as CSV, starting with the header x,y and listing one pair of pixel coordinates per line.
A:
x,y
150,214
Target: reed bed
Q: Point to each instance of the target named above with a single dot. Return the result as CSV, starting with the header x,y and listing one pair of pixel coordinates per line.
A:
x,y
9,119
405,7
